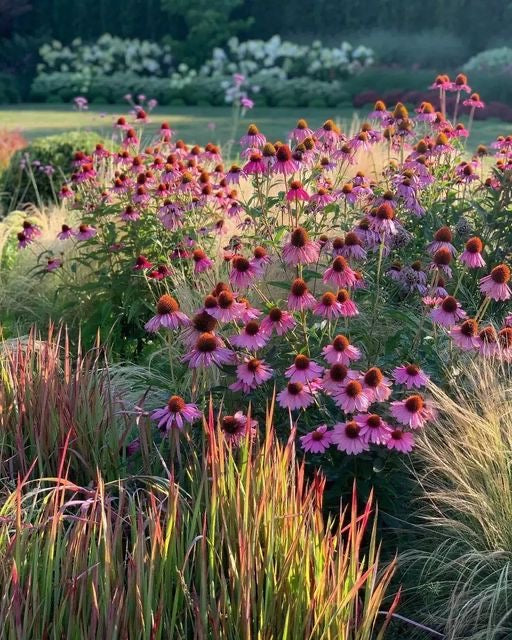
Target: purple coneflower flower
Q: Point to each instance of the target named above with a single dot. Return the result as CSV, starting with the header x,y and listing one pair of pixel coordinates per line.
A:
x,y
297,192
328,306
175,414
53,264
410,375
168,315
303,370
374,430
277,320
411,411
376,386
348,438
465,335
85,232
341,351
300,249
448,313
471,257
352,397
208,349
65,232
442,240
339,273
318,440
300,298
347,306
236,428
252,337
297,396
243,272
253,138
495,285
253,372
401,440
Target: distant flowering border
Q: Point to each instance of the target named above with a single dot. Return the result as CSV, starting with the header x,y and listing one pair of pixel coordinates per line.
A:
x,y
312,256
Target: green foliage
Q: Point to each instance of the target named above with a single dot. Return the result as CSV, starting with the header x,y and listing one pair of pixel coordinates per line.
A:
x,y
206,25
491,61
24,181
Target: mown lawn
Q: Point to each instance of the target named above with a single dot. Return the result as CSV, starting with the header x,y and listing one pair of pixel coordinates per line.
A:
x,y
195,124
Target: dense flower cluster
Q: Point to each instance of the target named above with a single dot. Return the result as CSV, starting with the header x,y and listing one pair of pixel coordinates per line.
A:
x,y
295,257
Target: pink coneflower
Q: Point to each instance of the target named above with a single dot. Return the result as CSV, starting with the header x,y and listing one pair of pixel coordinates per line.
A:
x,y
142,263
374,430
442,240
201,261
297,192
236,428
348,307
284,162
328,306
460,84
471,257
300,249
208,349
256,164
411,411
168,315
300,298
130,214
85,232
65,232
347,437
224,307
322,198
201,322
66,192
448,313
249,312
335,377
339,273
165,132
441,260
474,101
53,264
328,133
253,138
30,230
400,440
303,369
495,285
352,247
382,222
352,397
376,386
341,351
296,395
260,257
301,131
175,414
465,335
243,272
426,112
488,342
277,320
318,440
379,112
251,374
411,376
234,174
252,337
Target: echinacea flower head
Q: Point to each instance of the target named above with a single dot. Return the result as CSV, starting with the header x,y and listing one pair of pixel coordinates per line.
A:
x,y
441,260
208,350
339,273
300,249
374,429
352,397
318,440
168,315
448,313
297,192
301,131
341,351
296,395
253,137
303,369
85,232
335,377
400,440
411,411
410,375
442,240
284,162
175,414
65,233
465,335
328,306
376,386
253,372
495,285
488,341
471,257
201,322
243,272
142,263
474,101
224,307
347,306
348,438
279,321
252,336
300,298
383,221
236,428
53,264
201,261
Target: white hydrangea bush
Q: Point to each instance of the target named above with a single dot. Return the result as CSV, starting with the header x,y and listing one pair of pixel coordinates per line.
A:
x,y
497,60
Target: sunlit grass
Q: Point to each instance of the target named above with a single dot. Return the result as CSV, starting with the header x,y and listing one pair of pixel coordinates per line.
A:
x,y
197,125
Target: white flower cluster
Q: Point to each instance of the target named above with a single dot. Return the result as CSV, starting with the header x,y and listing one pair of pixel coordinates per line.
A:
x,y
492,61
260,59
108,55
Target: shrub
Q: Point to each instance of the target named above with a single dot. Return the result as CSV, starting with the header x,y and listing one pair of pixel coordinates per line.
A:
x,y
491,61
236,542
10,142
34,173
